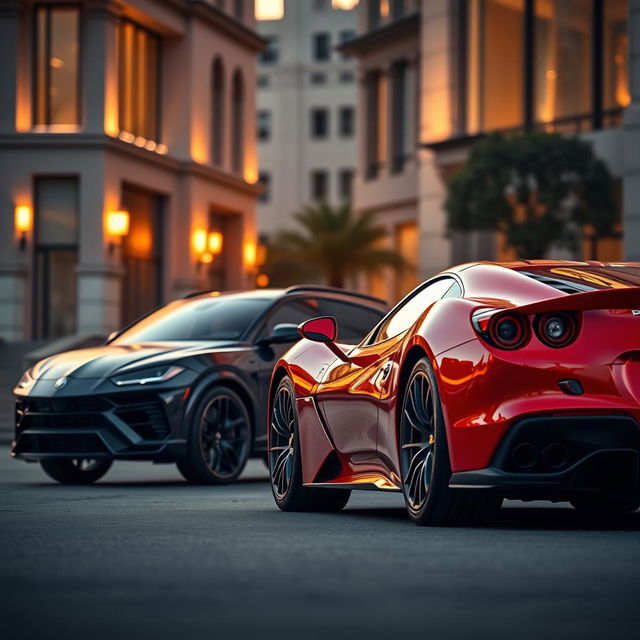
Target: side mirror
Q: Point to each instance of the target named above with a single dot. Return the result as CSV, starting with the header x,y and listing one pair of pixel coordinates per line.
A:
x,y
324,329
282,334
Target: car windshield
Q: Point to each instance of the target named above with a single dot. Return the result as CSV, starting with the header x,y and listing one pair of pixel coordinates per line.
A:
x,y
224,318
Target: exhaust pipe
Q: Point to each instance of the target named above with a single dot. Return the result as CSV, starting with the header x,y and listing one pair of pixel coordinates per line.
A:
x,y
525,456
555,455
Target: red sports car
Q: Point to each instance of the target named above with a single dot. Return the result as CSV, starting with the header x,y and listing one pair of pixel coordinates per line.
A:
x,y
489,381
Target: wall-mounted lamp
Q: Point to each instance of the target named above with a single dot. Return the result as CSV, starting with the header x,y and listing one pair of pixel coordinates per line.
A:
x,y
23,222
117,227
214,242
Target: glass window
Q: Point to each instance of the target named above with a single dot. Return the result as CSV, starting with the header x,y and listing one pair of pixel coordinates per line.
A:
x,y
345,184
56,60
318,78
346,121
319,185
347,76
238,9
562,59
321,47
319,123
223,318
55,256
292,311
237,122
139,75
376,122
402,133
354,321
264,125
410,309
263,81
264,180
271,52
616,55
217,115
495,65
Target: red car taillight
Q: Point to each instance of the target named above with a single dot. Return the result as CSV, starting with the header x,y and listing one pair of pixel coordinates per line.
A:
x,y
557,328
506,330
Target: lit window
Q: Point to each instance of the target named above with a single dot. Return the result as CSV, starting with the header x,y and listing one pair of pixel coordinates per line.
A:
x,y
616,55
139,81
57,52
495,64
269,9
344,5
562,63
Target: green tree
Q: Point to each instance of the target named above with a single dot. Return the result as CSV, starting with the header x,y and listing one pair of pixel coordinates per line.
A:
x,y
538,188
333,244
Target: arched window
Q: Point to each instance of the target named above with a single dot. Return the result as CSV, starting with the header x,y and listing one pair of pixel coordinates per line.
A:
x,y
217,112
237,122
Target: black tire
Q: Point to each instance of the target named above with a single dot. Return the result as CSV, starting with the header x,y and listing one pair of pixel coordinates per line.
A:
x,y
424,459
285,470
220,439
76,470
605,504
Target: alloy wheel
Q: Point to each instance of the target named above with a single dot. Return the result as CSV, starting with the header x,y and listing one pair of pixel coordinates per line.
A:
x,y
282,442
224,435
417,440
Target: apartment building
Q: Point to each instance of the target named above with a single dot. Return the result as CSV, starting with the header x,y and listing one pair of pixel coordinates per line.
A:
x,y
128,164
436,75
306,116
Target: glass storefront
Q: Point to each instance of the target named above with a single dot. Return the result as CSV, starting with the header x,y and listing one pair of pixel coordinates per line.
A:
x,y
55,256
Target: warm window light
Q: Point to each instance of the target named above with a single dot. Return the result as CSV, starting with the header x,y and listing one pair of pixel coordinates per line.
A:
x,y
269,9
207,258
345,5
214,242
199,241
262,281
23,221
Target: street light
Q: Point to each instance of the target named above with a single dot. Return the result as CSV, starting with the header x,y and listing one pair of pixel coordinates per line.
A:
x,y
117,227
23,222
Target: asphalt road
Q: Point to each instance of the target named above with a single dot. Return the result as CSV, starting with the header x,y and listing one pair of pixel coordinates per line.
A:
x,y
144,555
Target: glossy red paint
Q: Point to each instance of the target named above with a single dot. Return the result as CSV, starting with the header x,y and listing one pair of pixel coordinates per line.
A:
x,y
322,329
348,395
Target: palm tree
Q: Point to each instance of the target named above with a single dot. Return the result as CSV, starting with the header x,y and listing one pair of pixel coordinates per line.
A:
x,y
334,243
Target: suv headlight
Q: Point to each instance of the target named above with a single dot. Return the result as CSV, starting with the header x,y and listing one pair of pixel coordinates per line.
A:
x,y
27,379
148,375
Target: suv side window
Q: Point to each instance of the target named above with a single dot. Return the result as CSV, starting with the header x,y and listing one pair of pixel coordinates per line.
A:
x,y
354,321
293,311
402,317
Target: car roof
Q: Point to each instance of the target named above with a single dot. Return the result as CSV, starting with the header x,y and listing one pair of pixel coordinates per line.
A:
x,y
273,294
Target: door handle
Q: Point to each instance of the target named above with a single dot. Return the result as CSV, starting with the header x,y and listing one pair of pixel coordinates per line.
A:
x,y
386,370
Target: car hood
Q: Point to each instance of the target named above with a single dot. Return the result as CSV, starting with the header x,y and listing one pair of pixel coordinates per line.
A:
x,y
100,362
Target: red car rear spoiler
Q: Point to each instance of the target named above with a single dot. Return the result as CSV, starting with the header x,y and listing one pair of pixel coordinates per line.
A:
x,y
627,298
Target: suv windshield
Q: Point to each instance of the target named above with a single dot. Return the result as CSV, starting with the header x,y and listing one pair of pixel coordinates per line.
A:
x,y
224,318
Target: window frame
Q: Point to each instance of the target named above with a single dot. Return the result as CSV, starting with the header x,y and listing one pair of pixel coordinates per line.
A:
x,y
597,117
343,118
313,111
315,39
48,7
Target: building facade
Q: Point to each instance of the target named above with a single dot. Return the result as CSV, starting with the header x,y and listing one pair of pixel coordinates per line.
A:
x,y
306,110
128,165
477,66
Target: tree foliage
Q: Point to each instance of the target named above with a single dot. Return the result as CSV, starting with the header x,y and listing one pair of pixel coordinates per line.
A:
x,y
333,244
538,188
